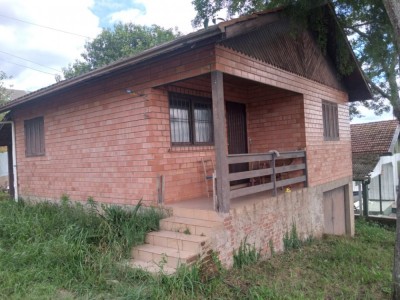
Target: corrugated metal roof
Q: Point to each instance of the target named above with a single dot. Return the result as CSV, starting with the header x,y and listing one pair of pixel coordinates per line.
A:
x,y
297,54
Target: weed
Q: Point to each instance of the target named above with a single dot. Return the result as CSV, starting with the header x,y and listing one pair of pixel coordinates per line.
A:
x,y
186,281
64,199
70,251
245,255
186,231
291,239
271,247
49,247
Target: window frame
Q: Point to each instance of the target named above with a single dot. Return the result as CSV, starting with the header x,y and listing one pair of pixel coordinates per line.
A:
x,y
191,101
330,121
34,137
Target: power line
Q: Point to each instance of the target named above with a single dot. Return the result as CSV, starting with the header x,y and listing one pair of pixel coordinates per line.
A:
x,y
52,74
47,27
30,61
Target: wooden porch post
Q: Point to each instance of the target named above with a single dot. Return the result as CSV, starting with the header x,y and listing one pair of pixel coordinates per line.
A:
x,y
220,141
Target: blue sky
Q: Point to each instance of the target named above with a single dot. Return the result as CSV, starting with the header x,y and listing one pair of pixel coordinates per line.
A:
x,y
33,54
104,8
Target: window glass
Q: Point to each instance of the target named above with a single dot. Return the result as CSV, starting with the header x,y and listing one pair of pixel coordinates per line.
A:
x,y
191,119
203,123
34,137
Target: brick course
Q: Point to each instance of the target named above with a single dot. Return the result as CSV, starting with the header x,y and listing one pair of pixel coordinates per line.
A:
x,y
103,142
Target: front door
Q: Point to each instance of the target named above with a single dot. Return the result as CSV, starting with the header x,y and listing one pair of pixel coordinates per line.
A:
x,y
237,135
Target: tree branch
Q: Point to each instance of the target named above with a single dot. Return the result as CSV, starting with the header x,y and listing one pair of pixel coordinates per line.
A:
x,y
377,88
358,31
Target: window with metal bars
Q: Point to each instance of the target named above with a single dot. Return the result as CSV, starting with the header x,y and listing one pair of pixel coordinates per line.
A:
x,y
191,120
34,137
330,120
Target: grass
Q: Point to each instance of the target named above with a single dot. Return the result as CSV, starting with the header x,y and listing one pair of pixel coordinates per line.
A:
x,y
66,251
66,248
247,254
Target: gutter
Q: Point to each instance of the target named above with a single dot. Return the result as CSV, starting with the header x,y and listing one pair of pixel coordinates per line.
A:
x,y
14,158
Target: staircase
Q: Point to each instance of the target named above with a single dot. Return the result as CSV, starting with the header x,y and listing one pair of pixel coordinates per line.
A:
x,y
183,239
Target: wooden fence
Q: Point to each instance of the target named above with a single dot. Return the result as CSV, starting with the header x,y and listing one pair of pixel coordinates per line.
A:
x,y
268,171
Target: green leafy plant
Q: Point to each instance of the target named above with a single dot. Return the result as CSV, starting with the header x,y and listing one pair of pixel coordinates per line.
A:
x,y
246,254
291,239
271,247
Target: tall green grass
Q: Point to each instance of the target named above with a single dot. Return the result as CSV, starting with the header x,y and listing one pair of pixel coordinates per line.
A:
x,y
50,248
71,251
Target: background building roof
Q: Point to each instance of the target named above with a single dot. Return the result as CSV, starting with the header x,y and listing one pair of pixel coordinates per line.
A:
x,y
369,141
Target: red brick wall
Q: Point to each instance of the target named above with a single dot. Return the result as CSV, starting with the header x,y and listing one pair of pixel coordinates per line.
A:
x,y
97,146
182,166
327,160
275,120
102,142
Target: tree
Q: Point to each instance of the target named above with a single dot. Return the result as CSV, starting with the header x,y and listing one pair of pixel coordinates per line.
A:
x,y
364,21
121,41
374,30
393,9
4,93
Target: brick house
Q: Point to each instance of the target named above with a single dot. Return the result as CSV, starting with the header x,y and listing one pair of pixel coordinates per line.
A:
x,y
141,127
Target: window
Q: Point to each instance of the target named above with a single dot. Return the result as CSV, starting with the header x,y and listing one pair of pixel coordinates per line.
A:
x,y
330,119
191,119
34,137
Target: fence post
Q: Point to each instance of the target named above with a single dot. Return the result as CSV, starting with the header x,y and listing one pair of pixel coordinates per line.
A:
x,y
306,168
274,173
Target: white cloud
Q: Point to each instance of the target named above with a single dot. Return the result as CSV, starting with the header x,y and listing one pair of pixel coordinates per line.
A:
x,y
179,14
55,49
50,48
368,115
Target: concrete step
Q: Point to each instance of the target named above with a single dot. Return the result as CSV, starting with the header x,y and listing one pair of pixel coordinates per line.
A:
x,y
176,240
163,256
199,214
151,267
190,226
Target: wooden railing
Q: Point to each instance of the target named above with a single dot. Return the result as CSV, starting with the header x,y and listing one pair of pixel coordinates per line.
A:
x,y
268,171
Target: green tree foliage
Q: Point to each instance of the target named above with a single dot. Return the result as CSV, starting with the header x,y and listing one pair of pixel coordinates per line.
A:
x,y
366,24
4,93
121,41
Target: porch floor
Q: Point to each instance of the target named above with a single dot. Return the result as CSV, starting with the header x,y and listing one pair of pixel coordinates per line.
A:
x,y
205,203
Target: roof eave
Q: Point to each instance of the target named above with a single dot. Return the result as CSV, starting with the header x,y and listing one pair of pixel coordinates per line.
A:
x,y
174,45
361,91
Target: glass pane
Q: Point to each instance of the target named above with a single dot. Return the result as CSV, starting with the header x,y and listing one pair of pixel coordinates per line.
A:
x,y
203,123
179,116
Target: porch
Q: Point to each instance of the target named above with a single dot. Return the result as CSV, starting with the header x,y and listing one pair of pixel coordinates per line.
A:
x,y
253,132
266,175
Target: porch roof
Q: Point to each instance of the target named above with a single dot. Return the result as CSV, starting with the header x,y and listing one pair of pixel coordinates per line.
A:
x,y
355,83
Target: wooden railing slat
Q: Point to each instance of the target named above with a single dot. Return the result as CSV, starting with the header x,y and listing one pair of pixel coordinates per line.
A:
x,y
251,190
244,158
272,171
249,174
287,155
290,168
290,181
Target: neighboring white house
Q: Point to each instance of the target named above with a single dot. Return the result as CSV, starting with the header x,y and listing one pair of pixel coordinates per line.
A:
x,y
376,157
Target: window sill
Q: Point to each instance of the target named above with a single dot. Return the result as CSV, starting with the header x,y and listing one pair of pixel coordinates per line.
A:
x,y
190,148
